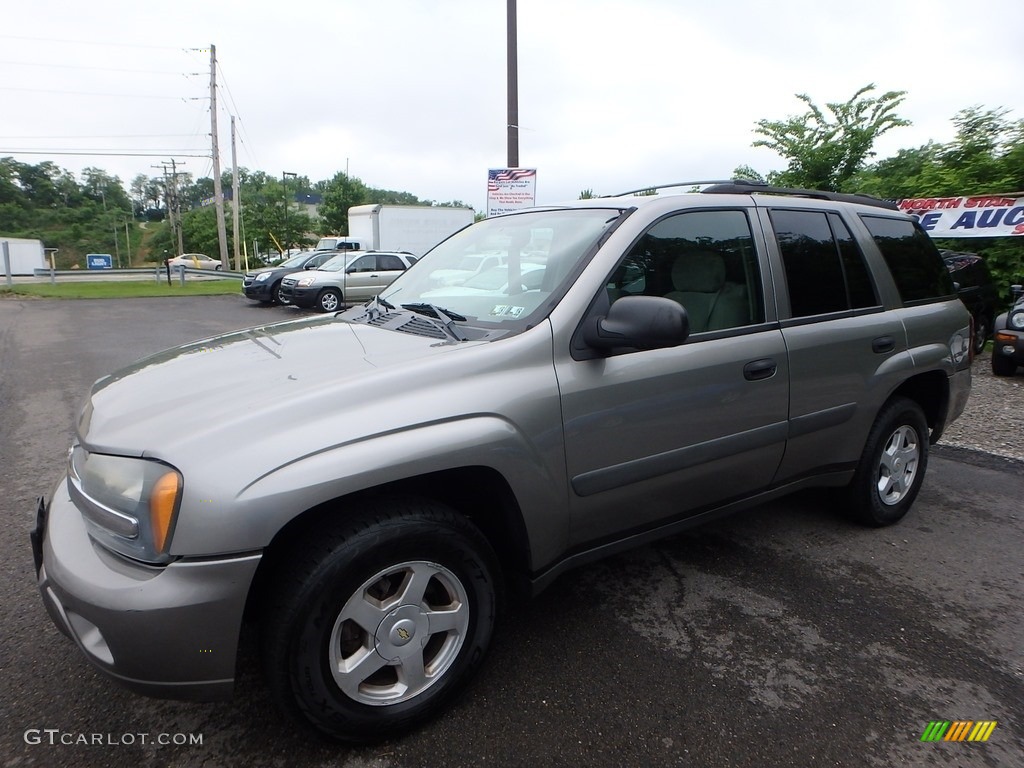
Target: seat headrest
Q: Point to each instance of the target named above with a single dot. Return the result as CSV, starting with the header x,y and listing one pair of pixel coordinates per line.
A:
x,y
698,272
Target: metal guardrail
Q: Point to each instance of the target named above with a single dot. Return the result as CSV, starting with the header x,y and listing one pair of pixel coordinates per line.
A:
x,y
160,273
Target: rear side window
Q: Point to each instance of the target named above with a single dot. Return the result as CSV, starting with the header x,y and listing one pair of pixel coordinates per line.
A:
x,y
915,263
825,270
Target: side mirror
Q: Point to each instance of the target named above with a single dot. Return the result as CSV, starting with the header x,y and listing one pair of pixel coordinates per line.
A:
x,y
639,322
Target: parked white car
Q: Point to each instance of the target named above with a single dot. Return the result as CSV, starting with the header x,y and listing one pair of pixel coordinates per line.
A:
x,y
195,261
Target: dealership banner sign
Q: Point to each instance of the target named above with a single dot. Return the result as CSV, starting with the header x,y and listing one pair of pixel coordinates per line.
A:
x,y
980,216
509,189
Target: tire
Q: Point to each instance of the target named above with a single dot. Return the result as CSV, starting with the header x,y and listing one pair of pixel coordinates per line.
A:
x,y
217,268
1003,366
353,596
275,293
892,465
329,300
982,330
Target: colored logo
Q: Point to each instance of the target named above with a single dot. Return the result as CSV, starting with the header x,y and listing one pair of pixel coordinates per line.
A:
x,y
958,730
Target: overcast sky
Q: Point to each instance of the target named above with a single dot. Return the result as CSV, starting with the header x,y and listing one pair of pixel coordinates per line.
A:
x,y
411,94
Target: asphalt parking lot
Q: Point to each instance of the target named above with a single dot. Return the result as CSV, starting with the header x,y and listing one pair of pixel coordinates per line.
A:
x,y
783,636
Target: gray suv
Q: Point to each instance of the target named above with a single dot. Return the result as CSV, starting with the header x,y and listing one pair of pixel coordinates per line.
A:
x,y
680,356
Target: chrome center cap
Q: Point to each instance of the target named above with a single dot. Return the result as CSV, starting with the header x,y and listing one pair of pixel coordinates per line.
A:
x,y
402,633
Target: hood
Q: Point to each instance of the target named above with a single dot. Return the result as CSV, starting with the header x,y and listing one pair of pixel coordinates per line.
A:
x,y
173,400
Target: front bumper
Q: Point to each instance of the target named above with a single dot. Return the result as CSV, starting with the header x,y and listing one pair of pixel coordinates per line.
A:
x,y
259,291
1008,344
170,632
300,297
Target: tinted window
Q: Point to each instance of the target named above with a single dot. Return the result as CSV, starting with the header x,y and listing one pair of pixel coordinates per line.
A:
x,y
913,259
811,260
859,288
705,260
389,262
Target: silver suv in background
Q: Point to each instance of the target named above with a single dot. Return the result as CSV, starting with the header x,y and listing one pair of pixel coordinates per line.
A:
x,y
644,364
349,277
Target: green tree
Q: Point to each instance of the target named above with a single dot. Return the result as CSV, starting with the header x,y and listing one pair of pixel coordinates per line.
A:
x,y
824,151
339,194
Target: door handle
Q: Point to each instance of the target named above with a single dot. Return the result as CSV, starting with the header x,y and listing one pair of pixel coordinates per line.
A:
x,y
760,369
883,344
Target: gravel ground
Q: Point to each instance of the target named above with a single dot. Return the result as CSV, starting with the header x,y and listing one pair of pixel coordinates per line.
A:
x,y
993,421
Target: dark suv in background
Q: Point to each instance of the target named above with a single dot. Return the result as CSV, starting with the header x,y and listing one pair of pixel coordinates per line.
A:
x,y
976,290
1008,350
265,284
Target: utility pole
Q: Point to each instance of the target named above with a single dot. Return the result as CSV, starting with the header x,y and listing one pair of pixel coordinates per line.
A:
x,y
513,88
236,201
173,203
218,188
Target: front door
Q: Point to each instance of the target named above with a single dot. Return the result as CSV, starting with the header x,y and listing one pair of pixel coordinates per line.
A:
x,y
654,436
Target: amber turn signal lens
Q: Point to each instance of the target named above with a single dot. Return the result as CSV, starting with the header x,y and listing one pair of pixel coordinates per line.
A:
x,y
163,501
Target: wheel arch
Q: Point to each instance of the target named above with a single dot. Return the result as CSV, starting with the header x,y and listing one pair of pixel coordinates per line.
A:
x,y
930,390
479,493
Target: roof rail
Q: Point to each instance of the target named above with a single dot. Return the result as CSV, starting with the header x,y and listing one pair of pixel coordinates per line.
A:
x,y
648,190
747,187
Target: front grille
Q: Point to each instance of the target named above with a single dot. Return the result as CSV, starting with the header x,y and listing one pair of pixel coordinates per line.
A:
x,y
289,281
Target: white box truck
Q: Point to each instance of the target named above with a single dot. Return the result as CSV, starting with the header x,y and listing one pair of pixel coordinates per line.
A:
x,y
26,256
412,228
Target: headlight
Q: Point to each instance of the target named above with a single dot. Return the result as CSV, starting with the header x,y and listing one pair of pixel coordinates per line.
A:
x,y
129,505
262,276
1016,320
306,281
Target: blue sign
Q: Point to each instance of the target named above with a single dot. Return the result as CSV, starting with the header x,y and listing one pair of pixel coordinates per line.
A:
x,y
99,260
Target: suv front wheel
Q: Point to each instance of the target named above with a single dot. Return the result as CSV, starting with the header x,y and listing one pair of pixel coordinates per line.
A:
x,y
892,466
329,300
375,625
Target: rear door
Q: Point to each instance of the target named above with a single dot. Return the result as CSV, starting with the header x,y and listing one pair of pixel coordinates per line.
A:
x,y
846,351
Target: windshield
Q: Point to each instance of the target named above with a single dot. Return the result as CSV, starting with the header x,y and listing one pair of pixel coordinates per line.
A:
x,y
294,261
537,252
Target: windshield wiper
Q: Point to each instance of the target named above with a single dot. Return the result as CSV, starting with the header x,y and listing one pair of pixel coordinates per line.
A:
x,y
447,318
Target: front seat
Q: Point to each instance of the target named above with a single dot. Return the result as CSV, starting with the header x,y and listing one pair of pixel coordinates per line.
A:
x,y
698,278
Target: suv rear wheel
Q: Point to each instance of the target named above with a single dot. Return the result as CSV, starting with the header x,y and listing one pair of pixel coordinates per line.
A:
x,y
377,625
892,466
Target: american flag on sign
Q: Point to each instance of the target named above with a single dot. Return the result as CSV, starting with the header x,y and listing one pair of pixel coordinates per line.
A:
x,y
497,176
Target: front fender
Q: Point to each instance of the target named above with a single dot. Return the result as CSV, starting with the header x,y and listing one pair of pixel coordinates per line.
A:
x,y
266,504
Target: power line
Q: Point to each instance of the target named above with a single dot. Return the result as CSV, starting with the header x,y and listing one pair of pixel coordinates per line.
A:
x,y
106,136
112,95
99,154
103,43
98,69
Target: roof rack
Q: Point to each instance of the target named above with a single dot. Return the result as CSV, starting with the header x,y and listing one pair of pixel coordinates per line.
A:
x,y
750,187
648,190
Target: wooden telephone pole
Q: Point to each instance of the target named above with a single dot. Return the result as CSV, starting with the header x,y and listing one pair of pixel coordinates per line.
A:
x,y
218,188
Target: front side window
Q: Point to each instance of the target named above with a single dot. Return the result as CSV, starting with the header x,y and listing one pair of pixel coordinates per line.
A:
x,y
913,259
705,260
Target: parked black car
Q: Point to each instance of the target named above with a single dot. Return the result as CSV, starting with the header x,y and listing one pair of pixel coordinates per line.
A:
x,y
977,291
1008,350
265,284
